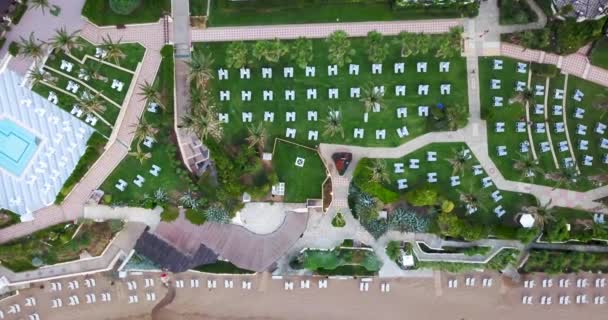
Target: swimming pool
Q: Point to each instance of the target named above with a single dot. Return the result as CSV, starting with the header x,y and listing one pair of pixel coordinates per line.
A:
x,y
17,146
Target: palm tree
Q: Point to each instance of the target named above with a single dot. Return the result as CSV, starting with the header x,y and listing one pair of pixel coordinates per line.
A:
x,y
143,129
459,161
41,4
200,69
333,124
37,75
140,155
30,48
456,117
203,124
65,41
445,50
471,199
565,177
525,97
92,103
372,98
406,41
113,50
91,70
257,136
378,171
149,92
527,166
541,213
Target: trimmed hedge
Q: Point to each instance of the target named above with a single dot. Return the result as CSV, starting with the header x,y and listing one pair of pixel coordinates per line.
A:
x,y
93,152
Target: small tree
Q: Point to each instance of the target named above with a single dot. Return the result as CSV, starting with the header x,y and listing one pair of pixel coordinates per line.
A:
x,y
43,5
140,155
143,129
333,123
393,249
377,48
200,69
301,52
449,224
372,98
150,93
31,48
113,51
458,161
270,51
527,166
340,50
257,136
65,41
237,54
378,171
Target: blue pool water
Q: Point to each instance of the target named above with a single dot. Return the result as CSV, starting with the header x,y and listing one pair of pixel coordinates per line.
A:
x,y
17,146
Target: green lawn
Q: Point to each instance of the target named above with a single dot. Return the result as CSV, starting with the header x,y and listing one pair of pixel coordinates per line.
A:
x,y
57,244
100,13
301,183
198,7
352,109
164,151
599,54
515,12
226,12
469,183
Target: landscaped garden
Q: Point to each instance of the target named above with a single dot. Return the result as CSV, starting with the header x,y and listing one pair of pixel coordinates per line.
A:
x,y
122,12
339,261
226,12
566,224
439,188
373,91
59,243
515,12
555,141
301,169
554,262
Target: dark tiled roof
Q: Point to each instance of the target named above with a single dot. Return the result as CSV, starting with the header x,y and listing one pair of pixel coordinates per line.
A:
x,y
4,5
168,257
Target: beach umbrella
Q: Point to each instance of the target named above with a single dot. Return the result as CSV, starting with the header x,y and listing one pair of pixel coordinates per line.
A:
x,y
526,220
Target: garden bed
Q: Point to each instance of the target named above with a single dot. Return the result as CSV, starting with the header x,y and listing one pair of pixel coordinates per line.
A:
x,y
338,261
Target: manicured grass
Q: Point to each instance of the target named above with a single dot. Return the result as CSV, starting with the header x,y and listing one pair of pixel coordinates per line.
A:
x,y
198,7
100,13
515,12
510,114
164,151
352,109
591,118
66,103
599,54
469,183
134,53
301,183
94,149
58,244
225,12
223,267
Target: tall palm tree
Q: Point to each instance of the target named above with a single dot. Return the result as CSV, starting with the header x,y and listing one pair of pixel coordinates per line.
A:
x,y
541,213
149,92
31,48
378,171
40,4
459,161
257,136
565,177
140,155
333,124
371,98
92,103
527,166
203,124
113,50
200,69
65,41
525,97
143,129
472,199
456,117
37,75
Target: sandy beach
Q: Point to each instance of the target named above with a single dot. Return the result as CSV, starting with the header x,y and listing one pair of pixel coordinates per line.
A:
x,y
409,298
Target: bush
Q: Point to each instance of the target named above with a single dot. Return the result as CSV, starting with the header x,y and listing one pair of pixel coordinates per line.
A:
x,y
393,249
217,214
170,213
473,251
19,12
544,70
13,49
338,221
195,217
124,7
92,153
515,12
422,197
405,220
503,259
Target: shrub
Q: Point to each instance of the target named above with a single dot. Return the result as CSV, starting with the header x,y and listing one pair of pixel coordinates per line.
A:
x,y
408,220
503,259
170,213
393,249
473,251
217,214
544,70
195,216
19,12
124,7
13,49
422,197
338,221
